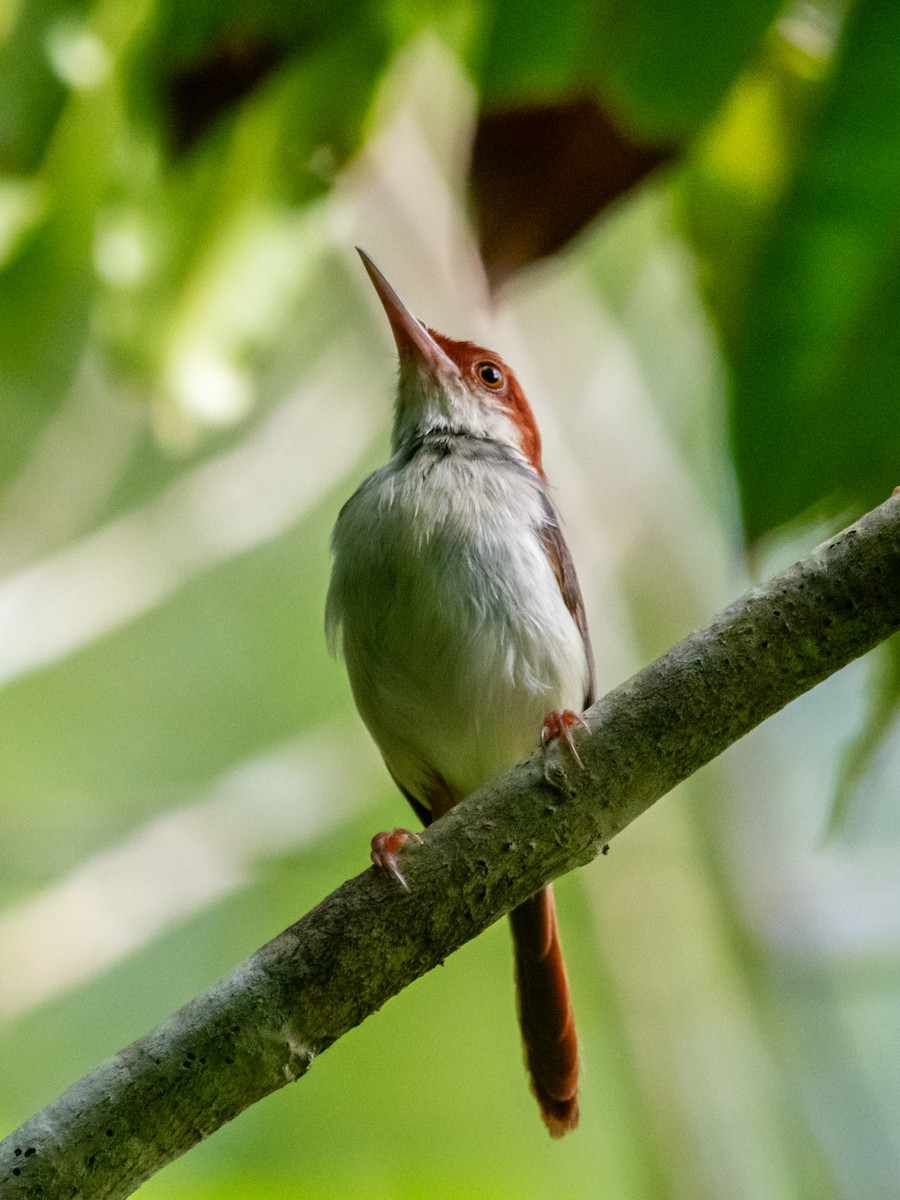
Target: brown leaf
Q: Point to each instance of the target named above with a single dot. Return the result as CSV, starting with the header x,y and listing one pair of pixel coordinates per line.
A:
x,y
541,172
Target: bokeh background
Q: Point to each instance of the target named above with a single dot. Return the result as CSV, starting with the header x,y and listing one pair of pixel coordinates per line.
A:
x,y
683,230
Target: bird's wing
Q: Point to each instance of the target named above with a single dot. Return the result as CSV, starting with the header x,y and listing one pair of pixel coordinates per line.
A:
x,y
561,560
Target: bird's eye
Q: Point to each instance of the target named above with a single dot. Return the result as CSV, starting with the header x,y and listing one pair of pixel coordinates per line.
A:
x,y
490,375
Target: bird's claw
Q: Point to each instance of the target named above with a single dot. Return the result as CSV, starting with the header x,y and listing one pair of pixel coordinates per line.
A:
x,y
385,848
559,725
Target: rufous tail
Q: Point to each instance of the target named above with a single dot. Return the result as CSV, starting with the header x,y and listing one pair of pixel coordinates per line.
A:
x,y
545,1012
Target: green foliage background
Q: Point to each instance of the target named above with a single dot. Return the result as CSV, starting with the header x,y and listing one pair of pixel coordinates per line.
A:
x,y
193,376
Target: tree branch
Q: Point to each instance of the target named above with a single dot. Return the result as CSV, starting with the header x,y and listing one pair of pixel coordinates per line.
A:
x,y
263,1025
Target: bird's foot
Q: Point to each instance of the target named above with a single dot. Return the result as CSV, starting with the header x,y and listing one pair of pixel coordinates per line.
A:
x,y
385,848
558,725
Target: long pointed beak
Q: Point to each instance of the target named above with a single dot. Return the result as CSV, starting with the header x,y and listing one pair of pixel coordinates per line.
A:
x,y
414,342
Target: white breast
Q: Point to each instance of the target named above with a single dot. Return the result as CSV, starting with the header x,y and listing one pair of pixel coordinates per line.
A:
x,y
455,634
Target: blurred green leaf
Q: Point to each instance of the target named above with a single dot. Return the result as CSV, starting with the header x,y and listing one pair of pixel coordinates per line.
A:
x,y
32,94
47,289
740,168
884,706
670,67
663,69
817,342
205,223
203,60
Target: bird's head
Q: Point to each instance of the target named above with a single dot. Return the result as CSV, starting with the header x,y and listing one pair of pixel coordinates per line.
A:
x,y
450,386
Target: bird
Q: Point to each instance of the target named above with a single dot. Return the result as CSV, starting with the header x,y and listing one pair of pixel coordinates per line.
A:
x,y
455,604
